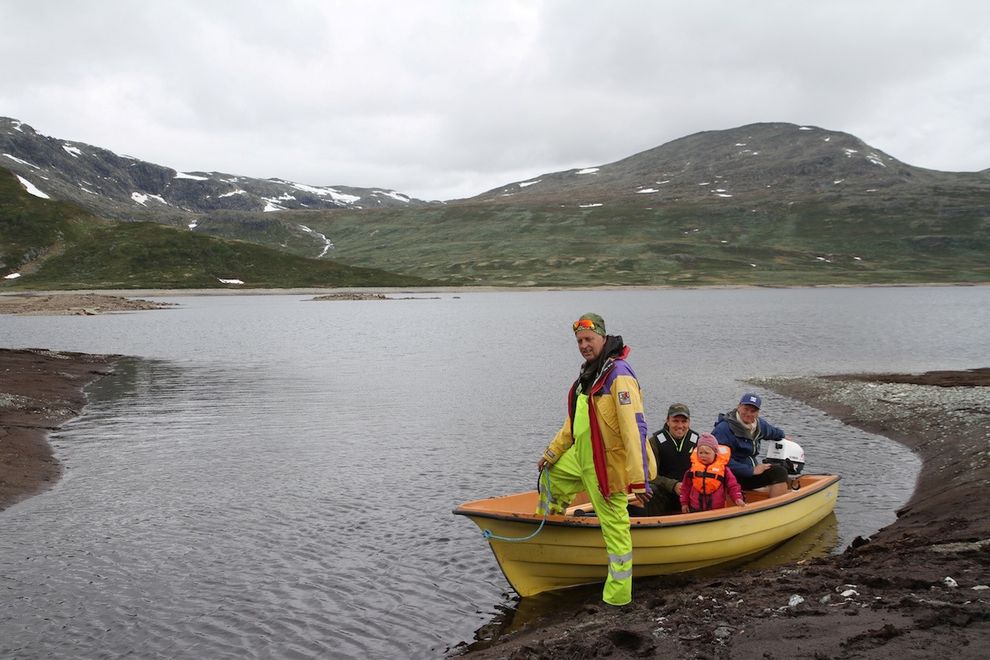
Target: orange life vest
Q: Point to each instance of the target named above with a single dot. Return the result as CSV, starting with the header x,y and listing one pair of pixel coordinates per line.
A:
x,y
707,479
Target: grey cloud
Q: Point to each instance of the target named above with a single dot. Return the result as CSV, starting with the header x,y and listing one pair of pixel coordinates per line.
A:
x,y
446,98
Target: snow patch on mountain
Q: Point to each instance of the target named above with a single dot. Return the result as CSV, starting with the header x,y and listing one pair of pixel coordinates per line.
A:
x,y
22,162
75,152
334,194
31,188
142,198
327,243
183,175
875,159
399,197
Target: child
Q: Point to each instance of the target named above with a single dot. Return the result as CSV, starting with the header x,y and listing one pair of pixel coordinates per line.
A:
x,y
705,484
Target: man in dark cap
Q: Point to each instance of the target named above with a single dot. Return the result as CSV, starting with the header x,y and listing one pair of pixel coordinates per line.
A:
x,y
672,446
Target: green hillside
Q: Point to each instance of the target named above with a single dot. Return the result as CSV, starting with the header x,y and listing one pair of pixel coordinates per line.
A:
x,y
55,245
793,243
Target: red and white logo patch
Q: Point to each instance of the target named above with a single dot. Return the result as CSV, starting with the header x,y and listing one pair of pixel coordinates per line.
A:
x,y
624,398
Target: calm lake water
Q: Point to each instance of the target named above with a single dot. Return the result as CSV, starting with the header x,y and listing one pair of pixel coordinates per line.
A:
x,y
274,477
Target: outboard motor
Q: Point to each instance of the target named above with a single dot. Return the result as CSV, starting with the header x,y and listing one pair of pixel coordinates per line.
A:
x,y
787,453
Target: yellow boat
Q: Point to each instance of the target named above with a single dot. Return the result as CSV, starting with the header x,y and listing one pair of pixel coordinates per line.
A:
x,y
568,549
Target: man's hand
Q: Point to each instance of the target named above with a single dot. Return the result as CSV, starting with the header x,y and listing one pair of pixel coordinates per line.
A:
x,y
643,498
677,489
542,464
761,468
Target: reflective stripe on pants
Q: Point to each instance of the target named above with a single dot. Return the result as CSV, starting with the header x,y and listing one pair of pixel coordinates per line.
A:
x,y
567,478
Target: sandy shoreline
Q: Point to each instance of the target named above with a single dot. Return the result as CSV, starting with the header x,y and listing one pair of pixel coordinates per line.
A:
x,y
918,588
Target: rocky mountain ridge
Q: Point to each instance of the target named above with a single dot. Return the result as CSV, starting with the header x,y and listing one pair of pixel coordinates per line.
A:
x,y
125,187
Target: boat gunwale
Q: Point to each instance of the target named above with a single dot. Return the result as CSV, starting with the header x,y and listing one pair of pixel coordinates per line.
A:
x,y
653,522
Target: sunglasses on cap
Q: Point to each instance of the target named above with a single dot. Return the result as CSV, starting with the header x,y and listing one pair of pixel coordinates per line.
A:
x,y
584,324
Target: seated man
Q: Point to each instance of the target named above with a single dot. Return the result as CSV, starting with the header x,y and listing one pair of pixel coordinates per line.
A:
x,y
741,429
671,446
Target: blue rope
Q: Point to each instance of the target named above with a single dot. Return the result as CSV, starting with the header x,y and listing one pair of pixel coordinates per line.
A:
x,y
489,534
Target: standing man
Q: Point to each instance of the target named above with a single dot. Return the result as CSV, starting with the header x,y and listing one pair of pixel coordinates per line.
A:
x,y
672,446
601,448
742,429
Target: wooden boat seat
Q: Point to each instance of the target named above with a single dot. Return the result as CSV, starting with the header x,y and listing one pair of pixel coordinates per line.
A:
x,y
584,508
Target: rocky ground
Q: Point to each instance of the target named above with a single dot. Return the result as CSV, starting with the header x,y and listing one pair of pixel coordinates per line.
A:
x,y
919,588
85,304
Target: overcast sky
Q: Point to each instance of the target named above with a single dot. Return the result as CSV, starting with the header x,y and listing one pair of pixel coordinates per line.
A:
x,y
448,98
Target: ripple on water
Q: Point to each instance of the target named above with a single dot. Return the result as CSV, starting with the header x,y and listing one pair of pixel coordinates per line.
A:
x,y
279,482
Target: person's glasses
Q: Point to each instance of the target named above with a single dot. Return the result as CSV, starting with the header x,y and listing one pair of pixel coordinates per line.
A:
x,y
585,324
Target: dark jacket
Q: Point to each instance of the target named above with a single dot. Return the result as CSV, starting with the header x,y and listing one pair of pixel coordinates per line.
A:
x,y
673,457
745,446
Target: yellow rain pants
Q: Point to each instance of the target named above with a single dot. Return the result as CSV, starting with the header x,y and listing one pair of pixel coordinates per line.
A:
x,y
575,472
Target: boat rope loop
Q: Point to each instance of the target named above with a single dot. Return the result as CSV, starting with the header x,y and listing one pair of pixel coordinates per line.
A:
x,y
541,488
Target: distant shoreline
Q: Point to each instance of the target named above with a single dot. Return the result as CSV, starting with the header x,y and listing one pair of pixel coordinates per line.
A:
x,y
469,289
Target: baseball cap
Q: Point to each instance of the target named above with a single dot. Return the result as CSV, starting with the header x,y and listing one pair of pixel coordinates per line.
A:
x,y
678,409
751,399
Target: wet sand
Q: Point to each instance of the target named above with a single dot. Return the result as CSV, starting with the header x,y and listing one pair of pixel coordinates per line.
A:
x,y
919,588
39,391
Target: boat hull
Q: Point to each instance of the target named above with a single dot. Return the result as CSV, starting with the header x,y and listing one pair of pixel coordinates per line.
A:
x,y
569,550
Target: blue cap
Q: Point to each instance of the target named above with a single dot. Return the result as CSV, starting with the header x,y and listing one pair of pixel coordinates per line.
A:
x,y
751,399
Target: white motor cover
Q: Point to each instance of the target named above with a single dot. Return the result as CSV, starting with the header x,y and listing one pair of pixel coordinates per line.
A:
x,y
787,453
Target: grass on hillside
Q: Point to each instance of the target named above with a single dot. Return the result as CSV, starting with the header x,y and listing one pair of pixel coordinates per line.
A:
x,y
789,244
31,226
74,250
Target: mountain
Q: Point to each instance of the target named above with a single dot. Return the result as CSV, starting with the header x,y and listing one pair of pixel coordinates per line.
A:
x,y
48,244
120,186
214,203
753,163
765,204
